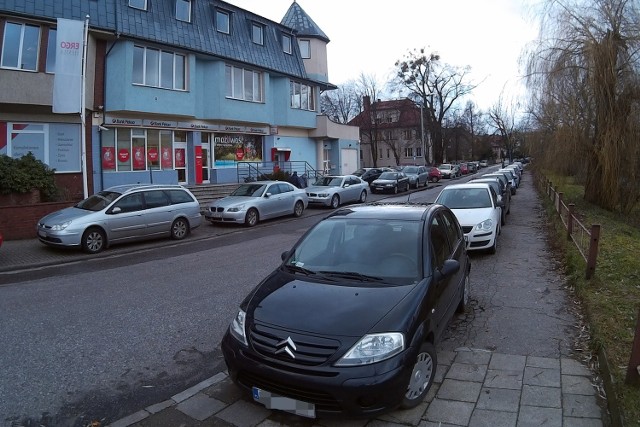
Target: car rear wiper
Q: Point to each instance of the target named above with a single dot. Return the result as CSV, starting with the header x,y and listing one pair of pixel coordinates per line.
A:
x,y
353,275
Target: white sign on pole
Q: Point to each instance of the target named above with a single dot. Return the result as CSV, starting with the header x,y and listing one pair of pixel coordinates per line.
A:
x,y
67,83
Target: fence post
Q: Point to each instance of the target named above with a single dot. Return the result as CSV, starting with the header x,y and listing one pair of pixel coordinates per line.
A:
x,y
593,250
633,370
570,221
559,207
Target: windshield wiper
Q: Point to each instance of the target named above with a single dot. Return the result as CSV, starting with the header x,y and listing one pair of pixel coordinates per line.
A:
x,y
353,275
298,269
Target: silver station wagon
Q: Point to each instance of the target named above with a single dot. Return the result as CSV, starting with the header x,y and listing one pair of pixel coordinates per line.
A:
x,y
122,214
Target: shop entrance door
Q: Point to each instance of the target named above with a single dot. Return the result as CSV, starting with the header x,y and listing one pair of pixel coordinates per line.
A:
x,y
206,156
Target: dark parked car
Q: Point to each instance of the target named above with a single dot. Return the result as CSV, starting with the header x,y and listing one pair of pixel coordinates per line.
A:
x,y
338,330
369,174
394,182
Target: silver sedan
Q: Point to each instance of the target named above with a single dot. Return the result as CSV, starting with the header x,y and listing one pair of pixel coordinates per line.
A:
x,y
334,190
257,201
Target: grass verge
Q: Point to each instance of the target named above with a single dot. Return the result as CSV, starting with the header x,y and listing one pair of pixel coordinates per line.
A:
x,y
611,298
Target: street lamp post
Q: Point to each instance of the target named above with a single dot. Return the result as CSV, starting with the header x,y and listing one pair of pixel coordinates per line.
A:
x,y
424,148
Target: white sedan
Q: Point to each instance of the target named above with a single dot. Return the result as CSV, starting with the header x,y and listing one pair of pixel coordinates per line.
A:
x,y
478,211
257,201
334,190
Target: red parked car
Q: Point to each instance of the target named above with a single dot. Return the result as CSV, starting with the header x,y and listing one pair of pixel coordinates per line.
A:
x,y
434,174
464,169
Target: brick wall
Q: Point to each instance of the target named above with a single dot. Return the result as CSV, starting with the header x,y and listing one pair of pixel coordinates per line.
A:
x,y
19,221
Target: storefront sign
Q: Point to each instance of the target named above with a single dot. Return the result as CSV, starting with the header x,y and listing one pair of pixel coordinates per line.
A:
x,y
159,123
122,122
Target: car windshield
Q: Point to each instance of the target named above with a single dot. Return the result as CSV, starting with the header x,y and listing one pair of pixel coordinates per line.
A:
x,y
465,198
410,169
444,167
328,181
373,252
98,201
389,175
249,190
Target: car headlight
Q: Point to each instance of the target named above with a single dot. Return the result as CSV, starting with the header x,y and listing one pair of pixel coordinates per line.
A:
x,y
237,327
60,227
236,208
486,225
373,348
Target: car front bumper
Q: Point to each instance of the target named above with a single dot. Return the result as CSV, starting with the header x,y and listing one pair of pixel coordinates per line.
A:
x,y
64,238
479,240
324,201
233,217
355,391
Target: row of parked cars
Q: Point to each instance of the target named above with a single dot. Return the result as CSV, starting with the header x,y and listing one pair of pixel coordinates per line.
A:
x,y
482,205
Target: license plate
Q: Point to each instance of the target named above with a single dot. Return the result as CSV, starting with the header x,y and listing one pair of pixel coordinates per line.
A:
x,y
273,401
217,215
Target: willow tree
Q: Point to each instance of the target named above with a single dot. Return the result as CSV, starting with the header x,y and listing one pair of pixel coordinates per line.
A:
x,y
584,69
437,87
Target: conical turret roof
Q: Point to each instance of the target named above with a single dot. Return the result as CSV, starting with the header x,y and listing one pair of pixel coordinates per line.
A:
x,y
302,23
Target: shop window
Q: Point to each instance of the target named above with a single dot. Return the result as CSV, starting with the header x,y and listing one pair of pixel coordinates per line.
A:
x,y
243,84
302,96
257,33
183,10
20,46
223,21
305,48
138,149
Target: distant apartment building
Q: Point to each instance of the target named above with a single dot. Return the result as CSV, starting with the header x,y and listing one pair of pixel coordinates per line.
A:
x,y
391,133
175,91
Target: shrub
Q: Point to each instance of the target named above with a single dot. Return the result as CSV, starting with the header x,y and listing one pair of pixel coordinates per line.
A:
x,y
25,174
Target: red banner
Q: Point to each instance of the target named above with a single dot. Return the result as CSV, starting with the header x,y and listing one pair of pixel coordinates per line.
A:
x,y
167,160
180,160
152,154
108,158
138,158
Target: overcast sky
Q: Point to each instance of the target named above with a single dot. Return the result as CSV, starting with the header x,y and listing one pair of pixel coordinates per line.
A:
x,y
370,36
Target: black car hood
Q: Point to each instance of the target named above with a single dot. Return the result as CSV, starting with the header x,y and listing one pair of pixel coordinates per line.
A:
x,y
323,308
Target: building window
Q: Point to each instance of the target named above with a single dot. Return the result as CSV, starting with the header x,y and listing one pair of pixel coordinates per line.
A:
x,y
183,10
138,4
381,154
243,84
125,149
20,46
286,43
159,68
51,51
408,151
302,96
305,48
418,151
222,21
257,33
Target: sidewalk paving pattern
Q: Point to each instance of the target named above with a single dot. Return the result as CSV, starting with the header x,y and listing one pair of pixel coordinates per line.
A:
x,y
472,387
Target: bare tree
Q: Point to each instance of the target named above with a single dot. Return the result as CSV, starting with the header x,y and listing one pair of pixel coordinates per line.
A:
x,y
502,117
472,120
436,86
368,90
343,104
584,76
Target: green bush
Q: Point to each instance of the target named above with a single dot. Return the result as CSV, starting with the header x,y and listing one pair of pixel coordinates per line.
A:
x,y
25,174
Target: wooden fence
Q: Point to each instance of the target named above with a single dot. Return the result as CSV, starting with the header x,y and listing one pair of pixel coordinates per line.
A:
x,y
585,239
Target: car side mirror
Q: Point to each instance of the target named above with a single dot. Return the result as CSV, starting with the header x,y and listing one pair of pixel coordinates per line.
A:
x,y
346,185
449,267
267,195
500,203
284,255
116,210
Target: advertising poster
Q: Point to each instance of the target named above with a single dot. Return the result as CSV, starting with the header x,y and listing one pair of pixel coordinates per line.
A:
x,y
123,155
138,158
108,158
167,160
232,148
180,157
152,155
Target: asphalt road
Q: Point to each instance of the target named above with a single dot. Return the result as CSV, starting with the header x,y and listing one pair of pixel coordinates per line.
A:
x,y
103,338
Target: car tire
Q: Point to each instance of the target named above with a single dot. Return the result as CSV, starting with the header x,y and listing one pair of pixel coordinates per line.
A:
x,y
422,375
93,240
251,218
335,201
179,229
434,179
363,197
503,219
464,298
298,209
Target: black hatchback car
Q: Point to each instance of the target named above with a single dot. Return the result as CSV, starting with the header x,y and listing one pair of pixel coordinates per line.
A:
x,y
340,329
